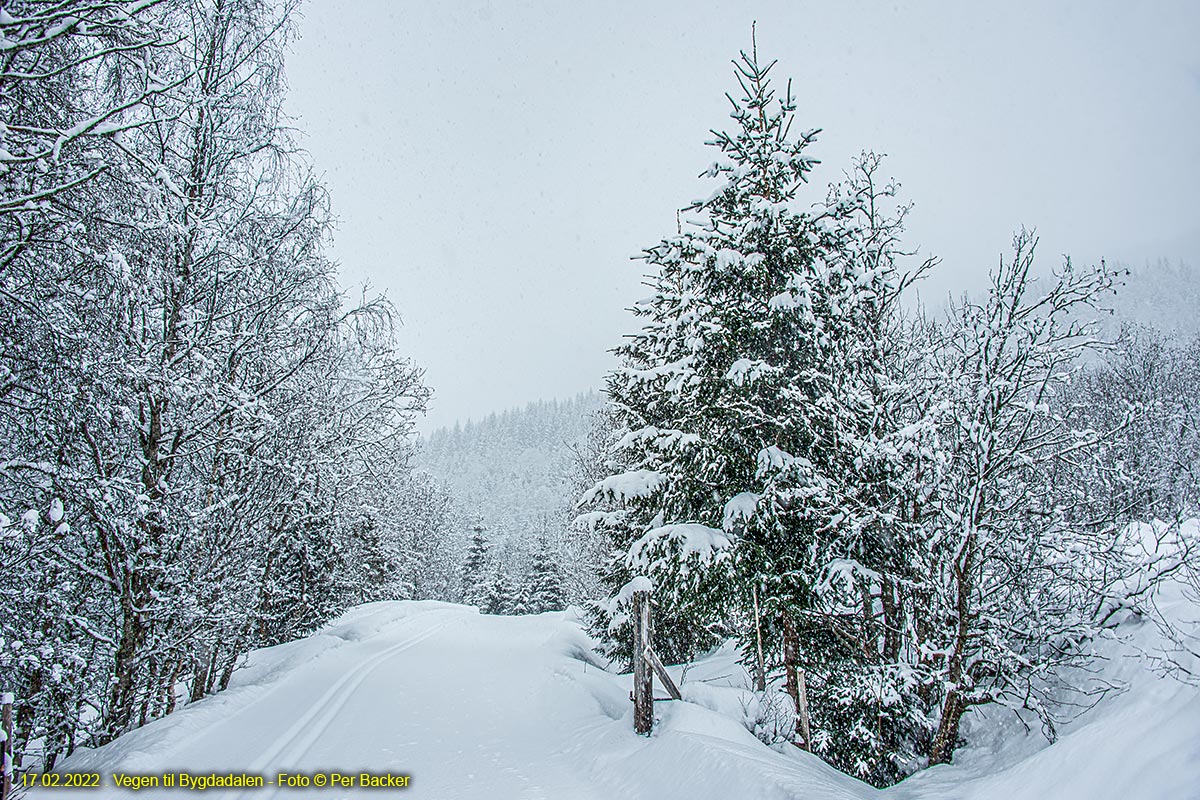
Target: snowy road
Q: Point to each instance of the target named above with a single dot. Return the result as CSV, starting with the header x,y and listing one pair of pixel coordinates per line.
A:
x,y
468,706
460,706
515,708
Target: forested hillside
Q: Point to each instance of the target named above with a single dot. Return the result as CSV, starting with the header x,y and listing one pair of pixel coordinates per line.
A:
x,y
513,475
1161,295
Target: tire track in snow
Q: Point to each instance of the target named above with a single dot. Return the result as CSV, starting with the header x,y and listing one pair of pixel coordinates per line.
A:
x,y
304,733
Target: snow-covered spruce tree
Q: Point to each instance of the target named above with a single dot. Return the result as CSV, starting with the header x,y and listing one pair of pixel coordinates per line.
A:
x,y
704,390
473,588
522,599
545,581
767,427
501,595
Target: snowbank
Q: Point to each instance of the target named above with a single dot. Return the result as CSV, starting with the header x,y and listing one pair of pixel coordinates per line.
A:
x,y
475,706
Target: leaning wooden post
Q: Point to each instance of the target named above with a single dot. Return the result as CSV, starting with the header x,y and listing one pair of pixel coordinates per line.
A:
x,y
802,694
643,677
6,738
661,671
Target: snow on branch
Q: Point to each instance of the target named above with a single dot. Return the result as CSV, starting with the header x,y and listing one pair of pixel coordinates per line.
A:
x,y
626,486
843,574
739,507
684,540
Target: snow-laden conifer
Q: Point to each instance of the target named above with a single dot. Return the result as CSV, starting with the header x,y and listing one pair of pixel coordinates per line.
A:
x,y
766,428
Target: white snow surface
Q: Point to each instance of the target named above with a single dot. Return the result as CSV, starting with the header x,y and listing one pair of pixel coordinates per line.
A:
x,y
476,706
1140,742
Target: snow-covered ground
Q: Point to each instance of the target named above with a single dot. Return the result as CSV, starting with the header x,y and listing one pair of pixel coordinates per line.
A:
x,y
1140,742
475,706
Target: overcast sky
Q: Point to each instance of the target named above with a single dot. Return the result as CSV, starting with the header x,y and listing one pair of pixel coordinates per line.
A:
x,y
494,166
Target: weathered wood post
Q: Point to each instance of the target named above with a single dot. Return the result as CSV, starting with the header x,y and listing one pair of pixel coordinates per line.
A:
x,y
795,677
643,676
802,693
760,680
6,739
663,675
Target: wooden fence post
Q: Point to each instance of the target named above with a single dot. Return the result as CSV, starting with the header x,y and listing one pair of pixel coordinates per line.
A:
x,y
643,677
795,677
760,680
802,693
6,700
